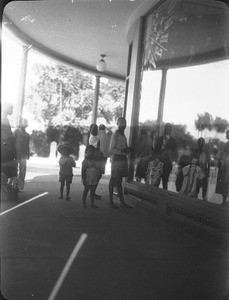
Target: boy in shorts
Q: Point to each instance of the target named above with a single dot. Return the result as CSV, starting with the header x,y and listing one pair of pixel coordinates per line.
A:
x,y
66,163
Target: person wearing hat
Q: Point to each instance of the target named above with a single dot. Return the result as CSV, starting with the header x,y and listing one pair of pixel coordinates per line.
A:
x,y
22,139
66,163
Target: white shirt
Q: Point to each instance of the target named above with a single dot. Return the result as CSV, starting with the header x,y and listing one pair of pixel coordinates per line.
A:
x,y
104,143
93,140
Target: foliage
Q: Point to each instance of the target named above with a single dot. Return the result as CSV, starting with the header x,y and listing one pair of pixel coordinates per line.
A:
x,y
204,121
64,96
113,94
39,144
220,125
53,134
70,134
215,146
73,136
183,138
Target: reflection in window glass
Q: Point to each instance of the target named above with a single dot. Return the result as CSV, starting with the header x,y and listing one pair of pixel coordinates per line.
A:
x,y
196,98
148,112
195,91
150,96
196,103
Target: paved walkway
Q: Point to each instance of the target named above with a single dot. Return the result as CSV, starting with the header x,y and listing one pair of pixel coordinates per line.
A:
x,y
54,249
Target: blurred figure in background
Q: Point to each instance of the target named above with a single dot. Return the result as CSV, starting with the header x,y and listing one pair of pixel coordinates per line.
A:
x,y
143,153
104,146
22,139
93,137
204,162
153,136
222,186
184,161
166,151
95,142
8,149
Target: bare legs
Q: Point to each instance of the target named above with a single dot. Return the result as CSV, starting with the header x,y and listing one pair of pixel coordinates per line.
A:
x,y
224,203
61,190
118,183
67,190
92,189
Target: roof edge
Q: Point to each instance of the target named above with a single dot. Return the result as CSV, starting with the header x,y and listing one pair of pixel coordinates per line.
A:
x,y
27,40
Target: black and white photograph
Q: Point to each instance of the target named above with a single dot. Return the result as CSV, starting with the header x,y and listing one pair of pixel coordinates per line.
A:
x,y
114,150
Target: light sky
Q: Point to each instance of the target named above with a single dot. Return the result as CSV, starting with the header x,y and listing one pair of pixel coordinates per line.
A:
x,y
12,55
189,91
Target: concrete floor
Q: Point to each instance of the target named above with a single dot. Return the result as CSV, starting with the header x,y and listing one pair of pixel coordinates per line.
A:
x,y
127,253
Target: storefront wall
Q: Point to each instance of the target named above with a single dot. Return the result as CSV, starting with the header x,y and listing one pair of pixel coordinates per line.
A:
x,y
165,47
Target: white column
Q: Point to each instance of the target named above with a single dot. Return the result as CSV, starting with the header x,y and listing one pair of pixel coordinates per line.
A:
x,y
21,95
134,92
161,101
61,104
96,99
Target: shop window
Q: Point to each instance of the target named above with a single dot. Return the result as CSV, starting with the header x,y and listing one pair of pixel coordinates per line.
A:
x,y
196,94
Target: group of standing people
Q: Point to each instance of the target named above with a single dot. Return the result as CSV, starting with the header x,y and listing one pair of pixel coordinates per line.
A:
x,y
154,162
99,148
155,159
14,150
194,172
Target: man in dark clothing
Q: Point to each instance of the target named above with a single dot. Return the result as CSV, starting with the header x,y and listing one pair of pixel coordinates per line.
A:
x,y
8,156
166,151
8,149
203,161
23,152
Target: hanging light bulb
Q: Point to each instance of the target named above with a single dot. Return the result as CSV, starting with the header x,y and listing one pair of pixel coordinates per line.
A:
x,y
101,65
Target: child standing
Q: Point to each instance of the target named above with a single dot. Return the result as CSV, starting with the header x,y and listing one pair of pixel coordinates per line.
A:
x,y
90,175
66,163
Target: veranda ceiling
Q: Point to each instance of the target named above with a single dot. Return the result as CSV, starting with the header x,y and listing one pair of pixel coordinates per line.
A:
x,y
78,31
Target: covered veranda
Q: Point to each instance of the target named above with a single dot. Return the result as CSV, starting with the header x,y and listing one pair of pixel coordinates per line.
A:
x,y
131,42
78,32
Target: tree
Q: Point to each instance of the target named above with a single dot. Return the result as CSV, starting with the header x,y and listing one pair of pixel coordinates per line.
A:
x,y
183,138
179,132
39,144
220,125
52,134
64,96
111,101
203,121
